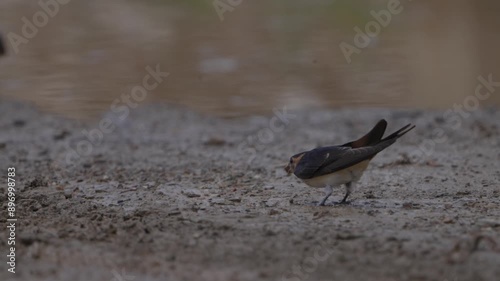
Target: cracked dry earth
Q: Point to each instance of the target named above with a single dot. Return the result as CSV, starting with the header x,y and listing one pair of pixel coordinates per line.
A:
x,y
175,195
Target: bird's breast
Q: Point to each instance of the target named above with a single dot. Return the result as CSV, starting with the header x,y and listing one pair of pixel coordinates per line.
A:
x,y
350,174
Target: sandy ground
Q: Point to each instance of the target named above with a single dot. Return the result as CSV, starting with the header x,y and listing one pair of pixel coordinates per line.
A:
x,y
174,195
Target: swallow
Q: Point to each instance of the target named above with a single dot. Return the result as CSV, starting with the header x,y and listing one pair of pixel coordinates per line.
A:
x,y
342,164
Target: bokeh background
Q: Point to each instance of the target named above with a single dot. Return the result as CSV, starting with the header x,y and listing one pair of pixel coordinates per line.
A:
x,y
264,54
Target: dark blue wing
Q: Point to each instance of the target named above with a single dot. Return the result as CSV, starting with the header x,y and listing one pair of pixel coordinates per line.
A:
x,y
326,160
315,159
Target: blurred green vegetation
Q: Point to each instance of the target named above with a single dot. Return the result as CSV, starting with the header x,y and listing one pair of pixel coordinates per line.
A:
x,y
263,54
199,7
344,13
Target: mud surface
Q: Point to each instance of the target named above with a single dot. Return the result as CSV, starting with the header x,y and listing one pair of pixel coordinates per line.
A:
x,y
174,195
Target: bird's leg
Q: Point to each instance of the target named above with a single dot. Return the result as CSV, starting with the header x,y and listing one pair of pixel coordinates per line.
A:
x,y
348,189
328,192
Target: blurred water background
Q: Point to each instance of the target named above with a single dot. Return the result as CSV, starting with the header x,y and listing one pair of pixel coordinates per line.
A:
x,y
263,54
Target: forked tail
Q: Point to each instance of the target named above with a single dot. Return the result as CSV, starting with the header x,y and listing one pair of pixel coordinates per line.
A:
x,y
372,137
399,133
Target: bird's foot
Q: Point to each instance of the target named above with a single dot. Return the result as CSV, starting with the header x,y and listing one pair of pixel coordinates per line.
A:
x,y
322,203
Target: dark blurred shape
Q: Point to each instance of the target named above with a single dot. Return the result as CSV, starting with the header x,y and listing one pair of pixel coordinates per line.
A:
x,y
2,48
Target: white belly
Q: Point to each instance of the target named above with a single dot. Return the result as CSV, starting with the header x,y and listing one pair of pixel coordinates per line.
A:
x,y
351,174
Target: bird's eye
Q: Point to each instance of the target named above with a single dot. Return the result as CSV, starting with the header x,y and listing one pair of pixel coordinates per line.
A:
x,y
291,161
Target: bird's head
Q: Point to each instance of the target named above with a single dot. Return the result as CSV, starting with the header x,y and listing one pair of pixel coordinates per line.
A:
x,y
294,161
